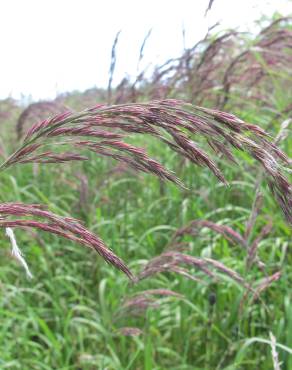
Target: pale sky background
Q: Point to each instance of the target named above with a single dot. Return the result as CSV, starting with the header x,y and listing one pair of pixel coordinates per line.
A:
x,y
54,46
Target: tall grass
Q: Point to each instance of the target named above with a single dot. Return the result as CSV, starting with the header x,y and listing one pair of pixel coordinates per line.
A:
x,y
210,262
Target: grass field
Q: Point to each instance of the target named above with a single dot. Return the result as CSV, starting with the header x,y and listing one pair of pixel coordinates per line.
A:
x,y
73,313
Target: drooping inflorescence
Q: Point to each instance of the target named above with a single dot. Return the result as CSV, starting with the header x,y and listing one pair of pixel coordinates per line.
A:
x,y
104,130
36,216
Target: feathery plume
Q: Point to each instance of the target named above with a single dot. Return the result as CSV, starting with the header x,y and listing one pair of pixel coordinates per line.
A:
x,y
65,227
174,123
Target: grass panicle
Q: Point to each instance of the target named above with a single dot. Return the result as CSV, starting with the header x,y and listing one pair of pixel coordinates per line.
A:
x,y
172,122
15,215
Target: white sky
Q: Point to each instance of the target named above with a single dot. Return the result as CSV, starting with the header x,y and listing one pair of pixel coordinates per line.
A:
x,y
53,46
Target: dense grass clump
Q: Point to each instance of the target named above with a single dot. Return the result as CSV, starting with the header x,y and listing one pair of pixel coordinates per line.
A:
x,y
199,221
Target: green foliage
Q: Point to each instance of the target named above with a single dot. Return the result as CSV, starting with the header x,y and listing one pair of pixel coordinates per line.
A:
x,y
69,316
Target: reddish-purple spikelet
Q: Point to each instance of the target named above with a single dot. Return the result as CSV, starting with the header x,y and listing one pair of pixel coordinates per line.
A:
x,y
84,131
252,251
227,271
171,261
44,124
65,227
195,226
36,128
232,121
265,283
96,107
140,160
258,130
173,123
49,157
162,292
60,117
26,150
139,302
130,331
